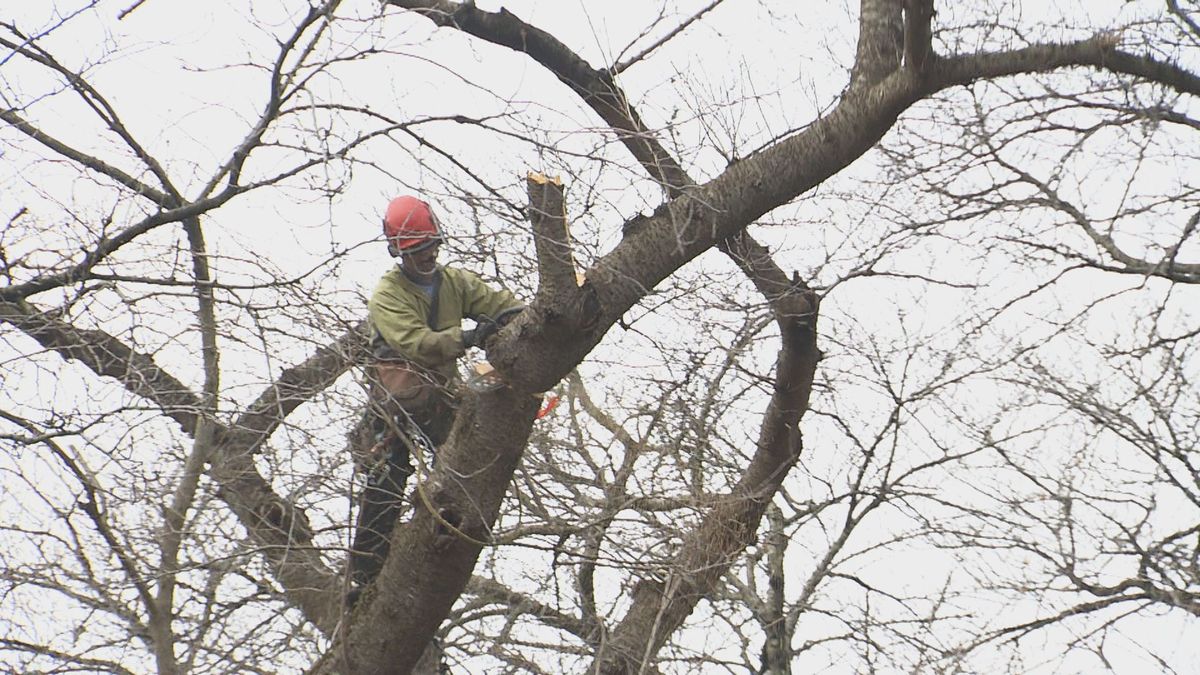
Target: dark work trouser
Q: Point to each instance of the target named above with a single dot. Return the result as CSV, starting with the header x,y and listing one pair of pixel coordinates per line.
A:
x,y
384,457
379,506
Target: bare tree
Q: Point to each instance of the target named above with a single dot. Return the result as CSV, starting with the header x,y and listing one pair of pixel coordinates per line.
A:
x,y
181,481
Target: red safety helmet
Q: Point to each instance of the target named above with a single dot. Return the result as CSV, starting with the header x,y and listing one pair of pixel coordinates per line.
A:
x,y
410,226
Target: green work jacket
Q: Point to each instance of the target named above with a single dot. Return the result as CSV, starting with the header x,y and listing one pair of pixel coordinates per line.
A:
x,y
399,315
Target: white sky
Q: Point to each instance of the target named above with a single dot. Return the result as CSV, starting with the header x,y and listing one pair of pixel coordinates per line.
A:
x,y
177,74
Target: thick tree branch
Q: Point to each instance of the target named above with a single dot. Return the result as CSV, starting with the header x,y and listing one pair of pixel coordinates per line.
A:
x,y
295,386
595,87
756,263
281,529
108,357
547,215
918,34
1098,52
659,607
881,33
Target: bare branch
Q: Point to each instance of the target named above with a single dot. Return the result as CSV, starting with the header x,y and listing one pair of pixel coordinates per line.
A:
x,y
621,67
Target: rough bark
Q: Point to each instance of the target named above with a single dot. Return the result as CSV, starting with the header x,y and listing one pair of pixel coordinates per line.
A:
x,y
433,555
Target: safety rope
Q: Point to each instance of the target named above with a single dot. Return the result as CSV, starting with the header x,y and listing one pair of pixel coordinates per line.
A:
x,y
422,439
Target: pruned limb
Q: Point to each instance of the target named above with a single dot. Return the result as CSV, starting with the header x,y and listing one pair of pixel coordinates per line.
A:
x,y
547,215
566,304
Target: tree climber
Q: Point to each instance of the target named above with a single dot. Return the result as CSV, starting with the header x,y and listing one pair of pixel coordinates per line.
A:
x,y
415,316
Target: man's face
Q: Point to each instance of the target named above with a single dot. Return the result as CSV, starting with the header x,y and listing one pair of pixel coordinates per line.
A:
x,y
421,264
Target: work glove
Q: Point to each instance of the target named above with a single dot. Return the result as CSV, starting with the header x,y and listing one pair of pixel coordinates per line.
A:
x,y
470,337
486,327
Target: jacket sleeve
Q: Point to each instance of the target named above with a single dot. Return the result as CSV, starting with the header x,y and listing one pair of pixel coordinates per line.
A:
x,y
401,323
479,298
